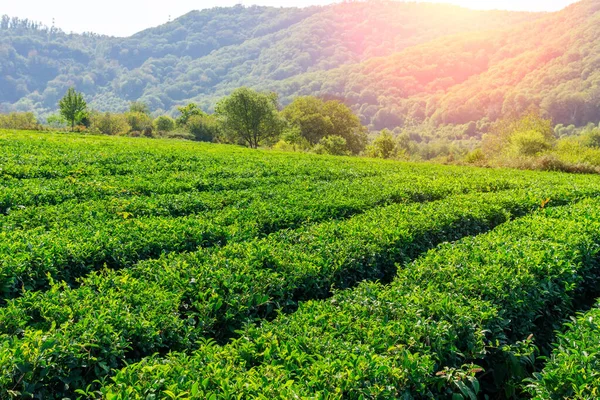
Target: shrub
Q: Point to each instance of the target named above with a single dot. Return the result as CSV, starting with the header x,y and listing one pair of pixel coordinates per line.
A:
x,y
204,128
139,122
384,146
529,143
110,124
573,370
475,157
333,145
164,124
591,138
23,121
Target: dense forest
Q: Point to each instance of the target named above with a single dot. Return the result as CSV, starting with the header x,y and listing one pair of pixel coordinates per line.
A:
x,y
206,54
395,64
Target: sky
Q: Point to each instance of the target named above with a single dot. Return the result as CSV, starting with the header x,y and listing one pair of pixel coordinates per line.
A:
x,y
126,17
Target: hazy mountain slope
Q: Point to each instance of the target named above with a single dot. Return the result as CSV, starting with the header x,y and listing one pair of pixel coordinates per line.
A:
x,y
338,35
551,63
205,54
393,62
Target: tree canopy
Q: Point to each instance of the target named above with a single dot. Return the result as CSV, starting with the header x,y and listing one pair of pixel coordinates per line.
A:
x,y
250,116
73,107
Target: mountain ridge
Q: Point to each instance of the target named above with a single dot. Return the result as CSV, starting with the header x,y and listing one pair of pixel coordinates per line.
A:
x,y
393,63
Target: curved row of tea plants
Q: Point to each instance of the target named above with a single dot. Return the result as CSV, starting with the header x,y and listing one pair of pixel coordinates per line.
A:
x,y
397,187
573,370
460,321
65,338
97,235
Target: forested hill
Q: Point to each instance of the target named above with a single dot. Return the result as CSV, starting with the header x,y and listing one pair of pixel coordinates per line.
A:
x,y
551,64
393,62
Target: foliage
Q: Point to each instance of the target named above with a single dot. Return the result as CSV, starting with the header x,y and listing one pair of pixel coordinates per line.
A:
x,y
187,112
23,121
384,146
140,123
139,107
591,138
459,322
56,121
475,157
573,370
164,124
293,140
307,116
387,60
204,127
250,117
529,143
527,135
110,124
316,119
332,145
73,107
187,241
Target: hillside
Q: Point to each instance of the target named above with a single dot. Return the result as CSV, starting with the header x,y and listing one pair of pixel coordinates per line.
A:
x,y
551,63
207,53
394,63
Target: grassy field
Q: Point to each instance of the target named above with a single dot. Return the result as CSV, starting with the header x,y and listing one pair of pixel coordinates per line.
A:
x,y
135,268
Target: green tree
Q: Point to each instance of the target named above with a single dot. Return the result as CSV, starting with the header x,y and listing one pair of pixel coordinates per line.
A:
x,y
250,117
14,120
187,112
306,114
293,137
347,125
317,119
73,107
527,135
333,145
164,124
529,143
384,146
591,138
140,123
204,128
56,121
110,124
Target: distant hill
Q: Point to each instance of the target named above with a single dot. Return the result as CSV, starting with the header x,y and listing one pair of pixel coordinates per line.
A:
x,y
393,62
551,63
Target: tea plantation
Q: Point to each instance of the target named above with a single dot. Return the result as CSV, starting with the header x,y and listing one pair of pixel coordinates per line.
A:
x,y
157,269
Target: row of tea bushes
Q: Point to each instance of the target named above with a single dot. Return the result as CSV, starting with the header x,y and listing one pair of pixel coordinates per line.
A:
x,y
65,338
573,369
98,235
457,323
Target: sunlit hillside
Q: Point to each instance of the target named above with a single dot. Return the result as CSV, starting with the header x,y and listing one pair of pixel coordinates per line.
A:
x,y
206,54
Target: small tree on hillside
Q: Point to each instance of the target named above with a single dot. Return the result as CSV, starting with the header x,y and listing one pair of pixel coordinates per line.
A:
x,y
384,146
188,112
205,128
250,117
316,119
73,107
527,136
164,124
333,145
